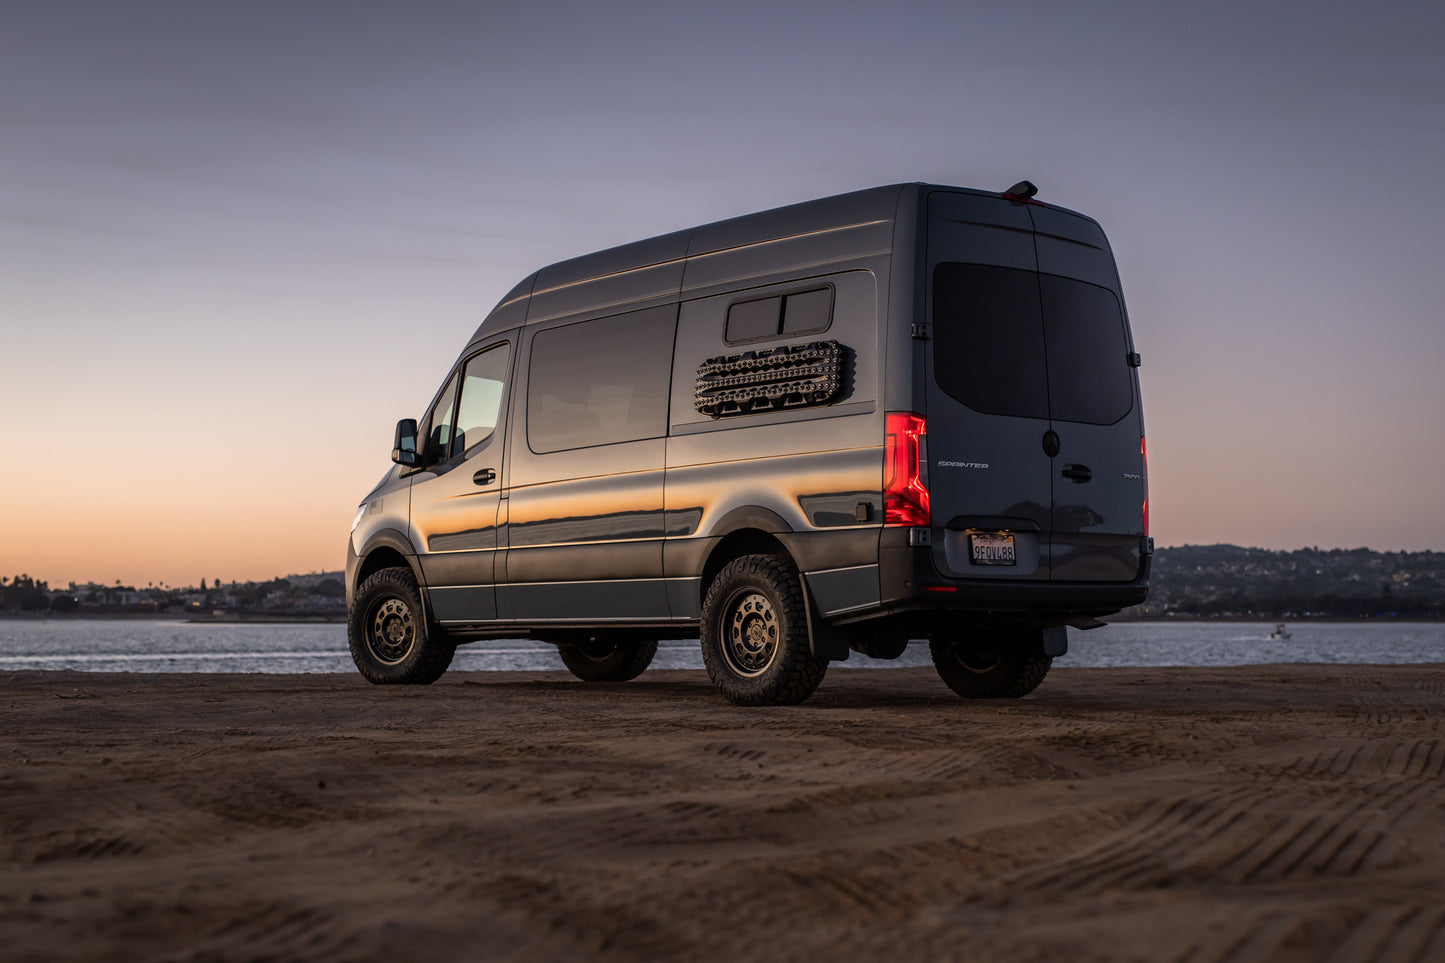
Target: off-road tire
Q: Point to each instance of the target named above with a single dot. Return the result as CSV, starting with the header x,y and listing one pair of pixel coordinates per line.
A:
x,y
755,634
978,671
389,637
608,661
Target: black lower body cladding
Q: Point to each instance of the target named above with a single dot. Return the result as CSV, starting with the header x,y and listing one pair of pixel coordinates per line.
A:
x,y
911,583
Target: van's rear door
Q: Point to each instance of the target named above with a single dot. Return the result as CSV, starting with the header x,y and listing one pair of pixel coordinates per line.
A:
x,y
1098,483
989,476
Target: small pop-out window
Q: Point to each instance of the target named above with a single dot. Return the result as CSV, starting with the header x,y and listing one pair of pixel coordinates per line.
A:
x,y
749,320
807,311
802,312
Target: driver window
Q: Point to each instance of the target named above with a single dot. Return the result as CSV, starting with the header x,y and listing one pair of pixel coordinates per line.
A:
x,y
482,385
439,435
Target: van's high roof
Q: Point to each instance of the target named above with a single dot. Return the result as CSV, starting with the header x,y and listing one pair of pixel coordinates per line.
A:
x,y
828,230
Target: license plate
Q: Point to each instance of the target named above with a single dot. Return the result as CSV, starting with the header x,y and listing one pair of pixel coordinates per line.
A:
x,y
991,549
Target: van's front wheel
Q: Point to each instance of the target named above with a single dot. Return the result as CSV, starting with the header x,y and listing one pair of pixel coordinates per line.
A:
x,y
987,669
755,634
388,633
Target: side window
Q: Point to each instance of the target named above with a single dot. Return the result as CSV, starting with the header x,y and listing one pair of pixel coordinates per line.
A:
x,y
440,421
801,312
808,311
482,382
751,320
601,382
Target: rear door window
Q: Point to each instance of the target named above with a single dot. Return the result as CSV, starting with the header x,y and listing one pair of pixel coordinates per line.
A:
x,y
988,339
1089,377
1009,341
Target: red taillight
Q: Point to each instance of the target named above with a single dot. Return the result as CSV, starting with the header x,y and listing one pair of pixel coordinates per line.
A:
x,y
1144,454
905,496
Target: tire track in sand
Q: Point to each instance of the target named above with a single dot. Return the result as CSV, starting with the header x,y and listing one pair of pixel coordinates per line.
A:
x,y
1138,851
1408,934
1335,840
1240,835
1404,759
269,932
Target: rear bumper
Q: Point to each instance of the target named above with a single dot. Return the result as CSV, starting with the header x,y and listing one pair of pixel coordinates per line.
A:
x,y
909,582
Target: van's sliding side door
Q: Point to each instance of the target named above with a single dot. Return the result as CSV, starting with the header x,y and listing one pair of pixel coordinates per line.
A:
x,y
584,527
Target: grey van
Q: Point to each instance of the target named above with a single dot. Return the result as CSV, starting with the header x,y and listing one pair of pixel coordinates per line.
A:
x,y
906,413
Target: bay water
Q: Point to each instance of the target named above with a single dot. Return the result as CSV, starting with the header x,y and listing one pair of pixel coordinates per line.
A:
x,y
133,645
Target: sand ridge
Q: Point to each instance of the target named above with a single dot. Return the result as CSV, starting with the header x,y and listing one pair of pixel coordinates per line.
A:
x,y
1251,813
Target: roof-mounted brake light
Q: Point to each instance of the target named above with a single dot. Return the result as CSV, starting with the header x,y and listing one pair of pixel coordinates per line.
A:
x,y
1022,192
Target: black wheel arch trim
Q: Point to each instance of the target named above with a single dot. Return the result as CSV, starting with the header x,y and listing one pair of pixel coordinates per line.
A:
x,y
397,541
690,557
749,516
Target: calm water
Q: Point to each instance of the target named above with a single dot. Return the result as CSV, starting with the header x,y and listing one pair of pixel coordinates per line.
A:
x,y
160,646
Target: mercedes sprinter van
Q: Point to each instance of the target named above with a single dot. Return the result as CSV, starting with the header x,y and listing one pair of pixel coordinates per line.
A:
x,y
906,413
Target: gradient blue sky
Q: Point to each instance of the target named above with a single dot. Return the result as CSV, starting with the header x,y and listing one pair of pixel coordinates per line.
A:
x,y
239,240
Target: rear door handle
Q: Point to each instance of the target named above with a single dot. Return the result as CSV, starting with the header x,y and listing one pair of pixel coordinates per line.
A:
x,y
1078,473
485,477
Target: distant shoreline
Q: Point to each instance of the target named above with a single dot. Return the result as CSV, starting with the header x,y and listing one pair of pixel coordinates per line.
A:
x,y
341,620
270,619
169,617
1266,619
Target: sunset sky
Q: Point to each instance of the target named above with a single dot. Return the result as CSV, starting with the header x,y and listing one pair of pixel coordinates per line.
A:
x,y
238,241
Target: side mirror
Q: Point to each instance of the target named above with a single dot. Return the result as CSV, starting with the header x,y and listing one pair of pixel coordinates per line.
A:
x,y
403,449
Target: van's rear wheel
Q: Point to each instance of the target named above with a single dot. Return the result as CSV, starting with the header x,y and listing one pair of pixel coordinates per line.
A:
x,y
988,669
755,634
387,630
608,660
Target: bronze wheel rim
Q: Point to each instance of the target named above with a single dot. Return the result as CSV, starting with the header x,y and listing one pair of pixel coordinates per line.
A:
x,y
391,631
750,634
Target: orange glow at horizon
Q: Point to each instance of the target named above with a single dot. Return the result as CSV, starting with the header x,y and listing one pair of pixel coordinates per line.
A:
x,y
239,241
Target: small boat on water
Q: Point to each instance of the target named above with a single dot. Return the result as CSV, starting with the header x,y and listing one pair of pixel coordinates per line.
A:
x,y
1280,632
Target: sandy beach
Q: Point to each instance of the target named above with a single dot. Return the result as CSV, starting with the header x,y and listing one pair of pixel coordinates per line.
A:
x,y
1254,813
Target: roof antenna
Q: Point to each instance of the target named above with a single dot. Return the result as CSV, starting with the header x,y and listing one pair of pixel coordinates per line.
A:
x,y
1021,191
